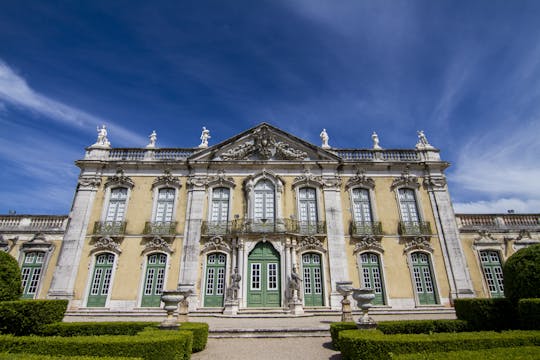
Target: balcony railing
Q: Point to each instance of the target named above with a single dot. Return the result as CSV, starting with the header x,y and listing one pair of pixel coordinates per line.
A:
x,y
42,223
164,228
494,222
113,228
216,227
363,228
308,228
412,228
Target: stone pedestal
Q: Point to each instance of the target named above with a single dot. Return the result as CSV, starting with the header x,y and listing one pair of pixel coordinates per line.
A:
x,y
345,289
296,307
170,300
346,312
231,307
363,297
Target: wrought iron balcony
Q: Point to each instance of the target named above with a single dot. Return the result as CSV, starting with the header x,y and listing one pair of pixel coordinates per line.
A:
x,y
216,227
163,228
363,228
308,228
113,228
414,228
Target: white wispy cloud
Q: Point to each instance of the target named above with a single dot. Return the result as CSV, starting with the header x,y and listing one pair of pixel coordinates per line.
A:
x,y
499,206
14,90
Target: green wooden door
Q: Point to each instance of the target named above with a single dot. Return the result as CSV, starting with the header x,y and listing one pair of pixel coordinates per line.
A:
x,y
101,280
31,273
491,265
313,280
423,279
215,280
153,281
371,275
264,278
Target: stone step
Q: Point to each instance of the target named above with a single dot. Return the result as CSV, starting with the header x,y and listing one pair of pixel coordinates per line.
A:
x,y
268,332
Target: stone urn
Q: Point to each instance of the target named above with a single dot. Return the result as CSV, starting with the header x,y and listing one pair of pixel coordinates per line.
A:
x,y
170,298
345,289
363,297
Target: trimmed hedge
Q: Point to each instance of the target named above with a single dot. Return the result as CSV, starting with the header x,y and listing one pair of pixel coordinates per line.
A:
x,y
521,274
25,317
200,334
157,344
95,328
10,278
6,356
421,326
529,313
336,328
358,344
521,353
487,314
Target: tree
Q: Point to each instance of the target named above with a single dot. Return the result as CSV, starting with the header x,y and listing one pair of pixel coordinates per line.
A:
x,y
10,278
522,274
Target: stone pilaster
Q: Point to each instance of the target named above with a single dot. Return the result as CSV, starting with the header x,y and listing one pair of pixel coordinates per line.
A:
x,y
65,273
335,237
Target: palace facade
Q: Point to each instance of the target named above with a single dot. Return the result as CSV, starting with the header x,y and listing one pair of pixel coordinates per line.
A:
x,y
263,221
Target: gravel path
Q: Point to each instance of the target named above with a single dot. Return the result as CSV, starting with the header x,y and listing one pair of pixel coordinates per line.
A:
x,y
298,348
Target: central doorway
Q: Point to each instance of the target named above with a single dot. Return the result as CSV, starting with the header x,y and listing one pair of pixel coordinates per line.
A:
x,y
264,278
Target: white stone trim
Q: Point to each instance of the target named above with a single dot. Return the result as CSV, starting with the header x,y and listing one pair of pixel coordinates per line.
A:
x,y
360,272
144,268
228,264
433,278
324,271
91,268
155,197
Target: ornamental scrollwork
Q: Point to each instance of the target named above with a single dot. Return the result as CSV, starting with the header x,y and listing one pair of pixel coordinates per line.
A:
x,y
38,243
167,179
368,242
92,182
119,178
434,182
157,243
332,182
307,178
418,243
221,180
108,244
197,182
310,243
360,180
406,179
486,238
216,243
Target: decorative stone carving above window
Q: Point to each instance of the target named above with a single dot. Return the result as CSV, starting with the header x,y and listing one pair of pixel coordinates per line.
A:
x,y
6,245
310,243
221,180
157,244
106,244
119,179
406,179
308,179
332,182
38,243
523,240
197,182
89,182
167,179
250,181
486,238
434,182
360,180
417,243
216,243
368,242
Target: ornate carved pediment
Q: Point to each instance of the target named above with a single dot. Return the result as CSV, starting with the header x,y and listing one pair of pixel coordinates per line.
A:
x,y
310,243
308,179
434,182
417,243
406,179
250,181
157,244
6,245
119,179
332,182
106,244
486,238
38,243
369,242
197,182
216,243
221,180
89,182
360,180
167,179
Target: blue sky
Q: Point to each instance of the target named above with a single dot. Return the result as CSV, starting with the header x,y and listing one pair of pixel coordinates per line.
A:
x,y
466,72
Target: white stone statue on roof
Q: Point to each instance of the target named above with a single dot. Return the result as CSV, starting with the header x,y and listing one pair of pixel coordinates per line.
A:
x,y
102,141
422,141
324,137
205,135
153,139
375,139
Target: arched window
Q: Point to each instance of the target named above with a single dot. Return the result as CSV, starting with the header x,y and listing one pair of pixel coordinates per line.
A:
x,y
154,280
215,280
491,266
423,278
264,208
117,205
308,210
372,275
31,270
101,280
165,205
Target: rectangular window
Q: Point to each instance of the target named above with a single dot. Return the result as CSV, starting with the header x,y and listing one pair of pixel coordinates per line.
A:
x,y
307,281
272,276
221,281
210,281
255,276
149,281
159,281
318,280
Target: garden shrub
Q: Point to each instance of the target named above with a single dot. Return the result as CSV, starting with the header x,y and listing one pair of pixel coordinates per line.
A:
x,y
156,344
487,314
10,278
421,326
25,317
522,274
336,328
200,334
520,352
529,313
366,345
95,328
6,356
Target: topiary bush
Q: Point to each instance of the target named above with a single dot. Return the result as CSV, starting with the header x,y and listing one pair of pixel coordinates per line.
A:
x,y
529,313
422,326
487,314
95,328
25,317
522,274
200,334
10,278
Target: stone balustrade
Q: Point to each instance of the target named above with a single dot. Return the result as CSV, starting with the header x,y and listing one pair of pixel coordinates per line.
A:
x,y
494,222
33,223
